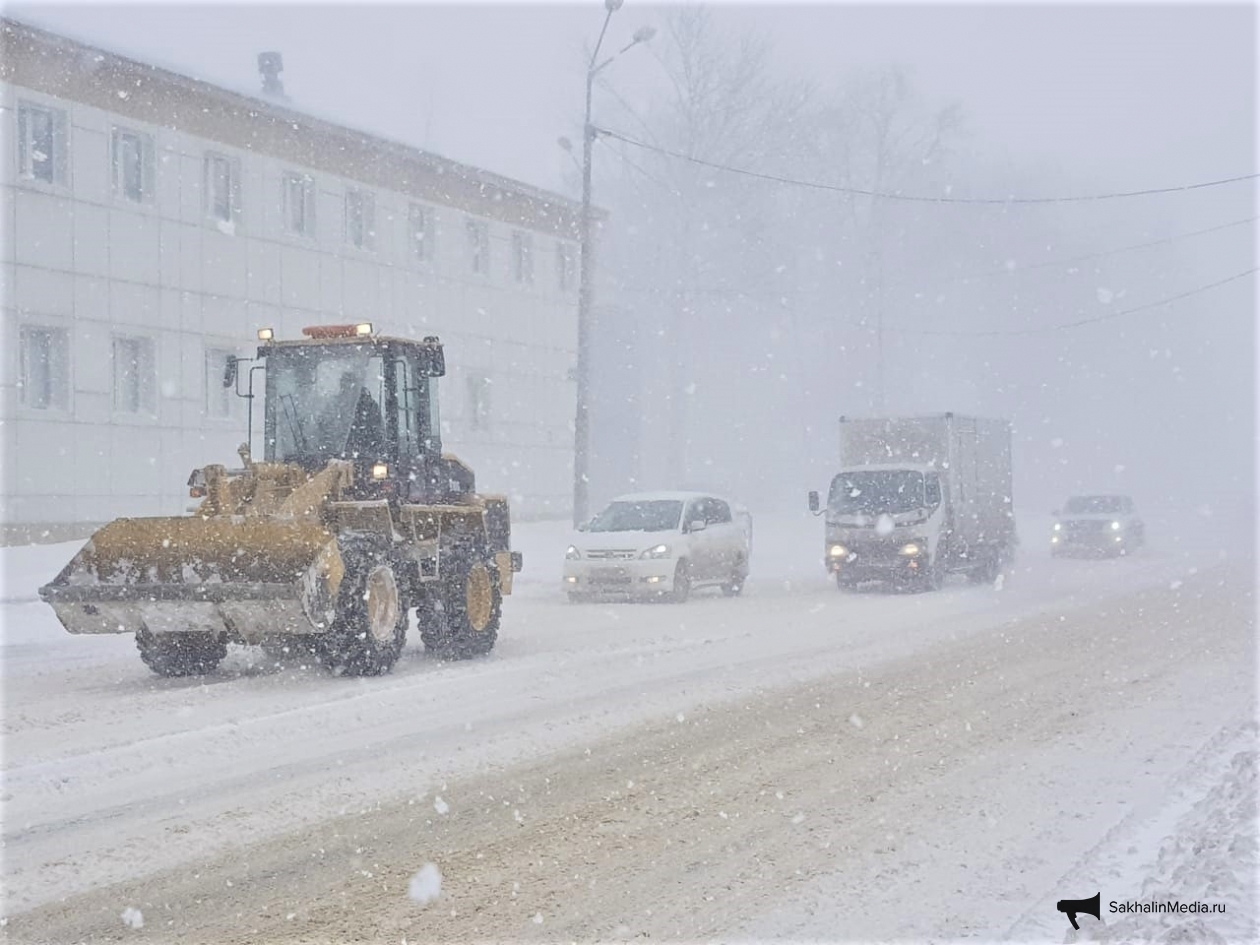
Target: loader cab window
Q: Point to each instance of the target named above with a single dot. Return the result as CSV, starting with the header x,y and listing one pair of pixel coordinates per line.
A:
x,y
932,490
325,403
415,409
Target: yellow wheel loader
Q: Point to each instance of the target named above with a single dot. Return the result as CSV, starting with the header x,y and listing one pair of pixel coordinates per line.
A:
x,y
353,518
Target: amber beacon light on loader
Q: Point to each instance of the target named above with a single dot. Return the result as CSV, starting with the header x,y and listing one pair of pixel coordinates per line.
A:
x,y
352,519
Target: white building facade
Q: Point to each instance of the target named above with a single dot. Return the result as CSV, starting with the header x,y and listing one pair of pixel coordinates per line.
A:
x,y
152,223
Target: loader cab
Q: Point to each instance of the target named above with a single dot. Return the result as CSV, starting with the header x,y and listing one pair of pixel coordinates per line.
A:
x,y
345,394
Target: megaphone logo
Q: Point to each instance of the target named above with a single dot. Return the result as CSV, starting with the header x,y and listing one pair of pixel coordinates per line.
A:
x,y
1075,906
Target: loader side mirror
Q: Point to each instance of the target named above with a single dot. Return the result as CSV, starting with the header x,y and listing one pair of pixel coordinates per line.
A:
x,y
813,501
229,372
433,361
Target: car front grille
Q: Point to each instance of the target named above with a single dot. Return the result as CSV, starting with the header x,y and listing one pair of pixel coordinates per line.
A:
x,y
610,554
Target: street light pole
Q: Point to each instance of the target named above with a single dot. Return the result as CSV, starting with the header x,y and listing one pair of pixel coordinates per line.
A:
x,y
582,417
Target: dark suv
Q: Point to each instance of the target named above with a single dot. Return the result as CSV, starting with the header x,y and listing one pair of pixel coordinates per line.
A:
x,y
1097,524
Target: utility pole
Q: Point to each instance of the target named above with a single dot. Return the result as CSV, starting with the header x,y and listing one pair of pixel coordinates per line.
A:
x,y
582,416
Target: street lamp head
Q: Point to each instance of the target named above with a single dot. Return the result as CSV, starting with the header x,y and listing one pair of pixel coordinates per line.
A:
x,y
644,33
612,6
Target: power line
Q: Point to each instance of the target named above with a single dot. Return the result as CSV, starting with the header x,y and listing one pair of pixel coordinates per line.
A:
x,y
989,273
916,198
1103,253
1045,329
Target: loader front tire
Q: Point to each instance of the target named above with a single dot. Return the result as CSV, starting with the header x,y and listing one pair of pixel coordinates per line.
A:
x,y
180,654
370,629
471,604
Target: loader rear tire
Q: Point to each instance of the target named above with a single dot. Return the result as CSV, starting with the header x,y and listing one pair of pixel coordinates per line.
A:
x,y
467,623
370,629
180,654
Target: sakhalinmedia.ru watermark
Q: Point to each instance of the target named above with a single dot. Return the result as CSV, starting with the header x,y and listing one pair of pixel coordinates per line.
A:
x,y
1167,906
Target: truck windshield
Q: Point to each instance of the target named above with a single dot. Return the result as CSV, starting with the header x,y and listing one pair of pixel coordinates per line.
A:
x,y
656,516
876,492
326,404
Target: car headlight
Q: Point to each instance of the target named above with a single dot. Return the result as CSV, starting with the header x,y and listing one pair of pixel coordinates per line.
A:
x,y
910,549
1058,526
656,551
572,554
1115,526
837,551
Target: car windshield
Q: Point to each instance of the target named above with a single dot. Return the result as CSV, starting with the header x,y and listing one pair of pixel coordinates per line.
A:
x,y
875,492
651,516
1095,504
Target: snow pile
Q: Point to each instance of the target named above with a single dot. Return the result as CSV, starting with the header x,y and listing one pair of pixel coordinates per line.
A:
x,y
1210,858
133,918
426,885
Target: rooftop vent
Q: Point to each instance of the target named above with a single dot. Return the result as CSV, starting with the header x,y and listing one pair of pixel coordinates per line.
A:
x,y
270,65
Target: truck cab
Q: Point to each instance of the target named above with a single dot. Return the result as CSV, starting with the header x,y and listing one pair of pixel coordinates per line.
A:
x,y
885,522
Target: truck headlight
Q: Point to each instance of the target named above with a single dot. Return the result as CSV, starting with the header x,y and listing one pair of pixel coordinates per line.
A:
x,y
837,551
571,553
380,471
910,550
1115,526
656,551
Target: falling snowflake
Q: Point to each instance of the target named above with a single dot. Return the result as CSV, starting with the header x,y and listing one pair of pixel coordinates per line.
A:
x,y
426,885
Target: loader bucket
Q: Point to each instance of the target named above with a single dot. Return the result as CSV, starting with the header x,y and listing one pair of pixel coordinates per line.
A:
x,y
251,578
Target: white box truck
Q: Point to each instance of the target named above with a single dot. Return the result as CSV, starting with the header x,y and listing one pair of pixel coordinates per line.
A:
x,y
917,498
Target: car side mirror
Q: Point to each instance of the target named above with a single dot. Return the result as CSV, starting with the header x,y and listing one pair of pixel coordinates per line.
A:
x,y
229,373
583,526
813,501
698,525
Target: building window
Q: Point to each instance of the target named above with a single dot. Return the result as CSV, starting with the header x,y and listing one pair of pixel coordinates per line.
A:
x,y
43,143
478,402
565,266
218,398
133,374
523,257
222,187
420,230
478,247
361,219
133,165
44,372
299,204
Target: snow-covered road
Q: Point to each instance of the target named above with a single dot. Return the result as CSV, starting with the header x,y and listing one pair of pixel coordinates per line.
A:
x,y
112,775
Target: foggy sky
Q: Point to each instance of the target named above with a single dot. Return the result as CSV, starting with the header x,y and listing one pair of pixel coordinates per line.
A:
x,y
1070,98
1130,94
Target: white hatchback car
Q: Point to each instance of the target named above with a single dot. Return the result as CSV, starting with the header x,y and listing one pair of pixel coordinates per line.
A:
x,y
660,544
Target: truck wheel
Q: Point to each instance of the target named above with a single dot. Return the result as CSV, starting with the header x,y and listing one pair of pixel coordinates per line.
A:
x,y
989,569
370,629
682,583
180,654
472,606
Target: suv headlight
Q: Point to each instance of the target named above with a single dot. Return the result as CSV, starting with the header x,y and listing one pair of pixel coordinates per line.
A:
x,y
910,549
1115,526
571,553
1058,526
837,551
656,551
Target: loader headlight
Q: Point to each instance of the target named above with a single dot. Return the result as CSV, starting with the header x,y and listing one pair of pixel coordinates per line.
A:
x,y
1058,526
837,551
910,549
265,334
571,553
363,328
656,551
1115,526
380,471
